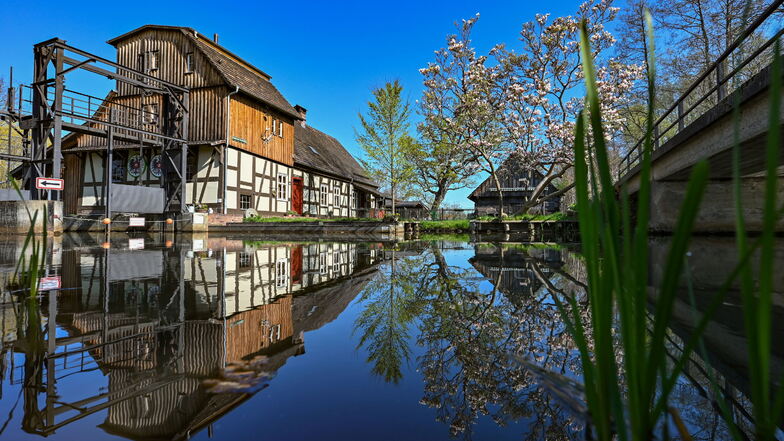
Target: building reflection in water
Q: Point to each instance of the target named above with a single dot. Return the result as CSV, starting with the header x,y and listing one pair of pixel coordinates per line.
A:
x,y
500,348
180,335
165,340
467,338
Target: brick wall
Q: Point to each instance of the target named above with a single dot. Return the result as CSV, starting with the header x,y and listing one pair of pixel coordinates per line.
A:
x,y
222,219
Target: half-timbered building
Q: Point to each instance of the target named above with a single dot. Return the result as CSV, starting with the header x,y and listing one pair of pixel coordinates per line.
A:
x,y
241,133
335,185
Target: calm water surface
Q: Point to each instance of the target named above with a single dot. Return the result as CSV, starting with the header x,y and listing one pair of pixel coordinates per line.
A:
x,y
222,338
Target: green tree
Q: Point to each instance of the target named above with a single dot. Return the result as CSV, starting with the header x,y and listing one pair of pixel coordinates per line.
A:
x,y
440,167
383,135
11,139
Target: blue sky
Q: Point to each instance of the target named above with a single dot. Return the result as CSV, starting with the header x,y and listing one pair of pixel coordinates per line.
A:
x,y
326,56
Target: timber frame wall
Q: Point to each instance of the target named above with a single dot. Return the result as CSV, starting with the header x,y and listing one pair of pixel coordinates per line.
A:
x,y
259,148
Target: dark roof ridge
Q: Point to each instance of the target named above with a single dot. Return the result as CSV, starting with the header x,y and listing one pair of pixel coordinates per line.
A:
x,y
329,156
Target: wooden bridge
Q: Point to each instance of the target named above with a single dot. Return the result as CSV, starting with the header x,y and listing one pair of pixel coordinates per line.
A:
x,y
702,124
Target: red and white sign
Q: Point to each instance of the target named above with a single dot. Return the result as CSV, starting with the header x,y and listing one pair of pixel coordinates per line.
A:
x,y
49,283
49,184
135,221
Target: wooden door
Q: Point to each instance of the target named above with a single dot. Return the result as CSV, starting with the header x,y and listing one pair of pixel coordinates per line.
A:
x,y
296,264
296,195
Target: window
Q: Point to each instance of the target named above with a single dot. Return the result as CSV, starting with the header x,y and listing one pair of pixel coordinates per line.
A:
x,y
281,273
189,62
118,170
148,61
277,128
150,113
191,168
336,262
246,201
354,200
152,61
283,187
324,194
243,260
274,334
336,200
323,263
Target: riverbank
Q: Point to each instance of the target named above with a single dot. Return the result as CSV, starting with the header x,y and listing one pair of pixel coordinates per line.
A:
x,y
527,230
314,229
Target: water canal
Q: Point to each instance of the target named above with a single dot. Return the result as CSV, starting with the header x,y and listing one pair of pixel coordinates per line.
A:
x,y
225,338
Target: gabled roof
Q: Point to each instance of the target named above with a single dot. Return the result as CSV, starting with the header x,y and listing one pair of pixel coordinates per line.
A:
x,y
512,164
410,204
237,72
316,150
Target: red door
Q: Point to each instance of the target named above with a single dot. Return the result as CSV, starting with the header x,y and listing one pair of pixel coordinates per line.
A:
x,y
296,195
296,264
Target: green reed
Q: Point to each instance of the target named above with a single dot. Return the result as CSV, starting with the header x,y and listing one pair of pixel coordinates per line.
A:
x,y
757,300
27,273
616,253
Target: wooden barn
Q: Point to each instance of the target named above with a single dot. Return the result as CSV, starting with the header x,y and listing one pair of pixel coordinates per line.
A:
x,y
241,135
407,209
517,184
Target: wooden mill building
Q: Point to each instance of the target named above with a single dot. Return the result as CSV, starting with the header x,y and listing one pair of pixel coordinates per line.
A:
x,y
517,184
249,148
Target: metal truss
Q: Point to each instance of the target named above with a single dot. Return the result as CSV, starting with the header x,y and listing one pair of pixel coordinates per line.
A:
x,y
42,111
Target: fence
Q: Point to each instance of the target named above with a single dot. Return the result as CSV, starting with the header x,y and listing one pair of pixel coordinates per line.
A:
x,y
746,57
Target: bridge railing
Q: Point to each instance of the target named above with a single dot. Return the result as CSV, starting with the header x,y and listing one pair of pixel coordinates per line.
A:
x,y
744,58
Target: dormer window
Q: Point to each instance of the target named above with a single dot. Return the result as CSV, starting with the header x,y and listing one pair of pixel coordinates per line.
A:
x,y
189,62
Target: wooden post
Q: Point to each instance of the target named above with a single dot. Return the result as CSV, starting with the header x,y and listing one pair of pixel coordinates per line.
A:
x,y
680,116
721,88
107,201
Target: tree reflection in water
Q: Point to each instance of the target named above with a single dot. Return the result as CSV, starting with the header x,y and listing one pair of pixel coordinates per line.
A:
x,y
473,335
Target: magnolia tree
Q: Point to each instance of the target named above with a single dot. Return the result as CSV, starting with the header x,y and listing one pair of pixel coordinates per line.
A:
x,y
526,102
541,87
459,106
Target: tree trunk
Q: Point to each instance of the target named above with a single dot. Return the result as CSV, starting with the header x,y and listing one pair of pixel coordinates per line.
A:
x,y
393,199
438,198
498,188
536,195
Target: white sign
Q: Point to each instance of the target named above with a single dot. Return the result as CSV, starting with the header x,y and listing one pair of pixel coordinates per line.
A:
x,y
135,221
49,283
49,184
135,244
